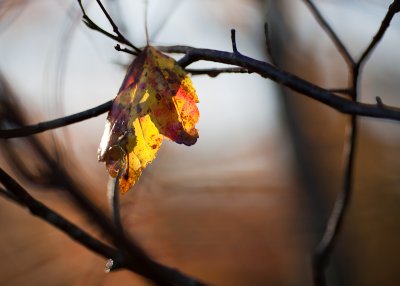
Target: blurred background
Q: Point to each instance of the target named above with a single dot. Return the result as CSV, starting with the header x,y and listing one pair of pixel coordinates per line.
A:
x,y
248,202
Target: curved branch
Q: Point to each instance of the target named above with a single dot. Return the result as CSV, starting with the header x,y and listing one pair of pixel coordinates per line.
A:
x,y
56,123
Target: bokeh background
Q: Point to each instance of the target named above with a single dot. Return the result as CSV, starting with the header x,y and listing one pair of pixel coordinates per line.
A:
x,y
247,204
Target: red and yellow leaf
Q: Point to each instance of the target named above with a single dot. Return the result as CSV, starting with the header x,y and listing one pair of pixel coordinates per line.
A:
x,y
156,100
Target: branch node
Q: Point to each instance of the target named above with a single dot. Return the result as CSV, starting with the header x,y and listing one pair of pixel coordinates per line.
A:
x,y
125,50
379,102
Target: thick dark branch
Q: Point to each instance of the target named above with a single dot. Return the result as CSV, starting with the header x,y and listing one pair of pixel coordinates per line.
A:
x,y
287,79
214,72
134,258
56,123
393,9
329,31
17,193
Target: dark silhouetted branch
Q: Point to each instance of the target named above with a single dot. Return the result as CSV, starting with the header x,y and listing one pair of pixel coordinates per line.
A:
x,y
329,31
393,9
130,255
56,123
325,247
17,193
214,72
118,37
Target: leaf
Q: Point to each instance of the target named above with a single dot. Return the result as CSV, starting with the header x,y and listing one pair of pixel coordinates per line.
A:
x,y
156,100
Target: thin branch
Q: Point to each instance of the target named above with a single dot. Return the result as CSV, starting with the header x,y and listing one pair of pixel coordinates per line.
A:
x,y
233,40
118,48
329,31
56,123
92,25
114,201
268,44
392,10
214,72
116,30
327,243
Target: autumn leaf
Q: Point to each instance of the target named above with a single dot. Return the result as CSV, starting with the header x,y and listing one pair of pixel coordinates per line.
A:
x,y
156,100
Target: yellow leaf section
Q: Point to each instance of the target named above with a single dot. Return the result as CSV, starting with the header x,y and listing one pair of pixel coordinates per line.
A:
x,y
142,147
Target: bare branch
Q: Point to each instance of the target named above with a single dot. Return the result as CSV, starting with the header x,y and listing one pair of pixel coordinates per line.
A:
x,y
326,245
92,25
233,39
287,79
56,123
214,72
393,9
329,31
116,30
133,257
18,194
118,48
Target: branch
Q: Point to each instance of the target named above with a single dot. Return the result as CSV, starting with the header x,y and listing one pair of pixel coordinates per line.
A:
x,y
92,25
56,123
327,243
335,223
133,257
246,65
392,10
214,72
287,79
18,194
329,31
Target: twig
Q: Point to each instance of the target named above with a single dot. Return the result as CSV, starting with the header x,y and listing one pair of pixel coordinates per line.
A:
x,y
392,10
233,40
56,123
116,30
335,39
92,25
118,48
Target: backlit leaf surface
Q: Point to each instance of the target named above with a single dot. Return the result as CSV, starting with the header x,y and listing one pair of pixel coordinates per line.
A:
x,y
156,100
